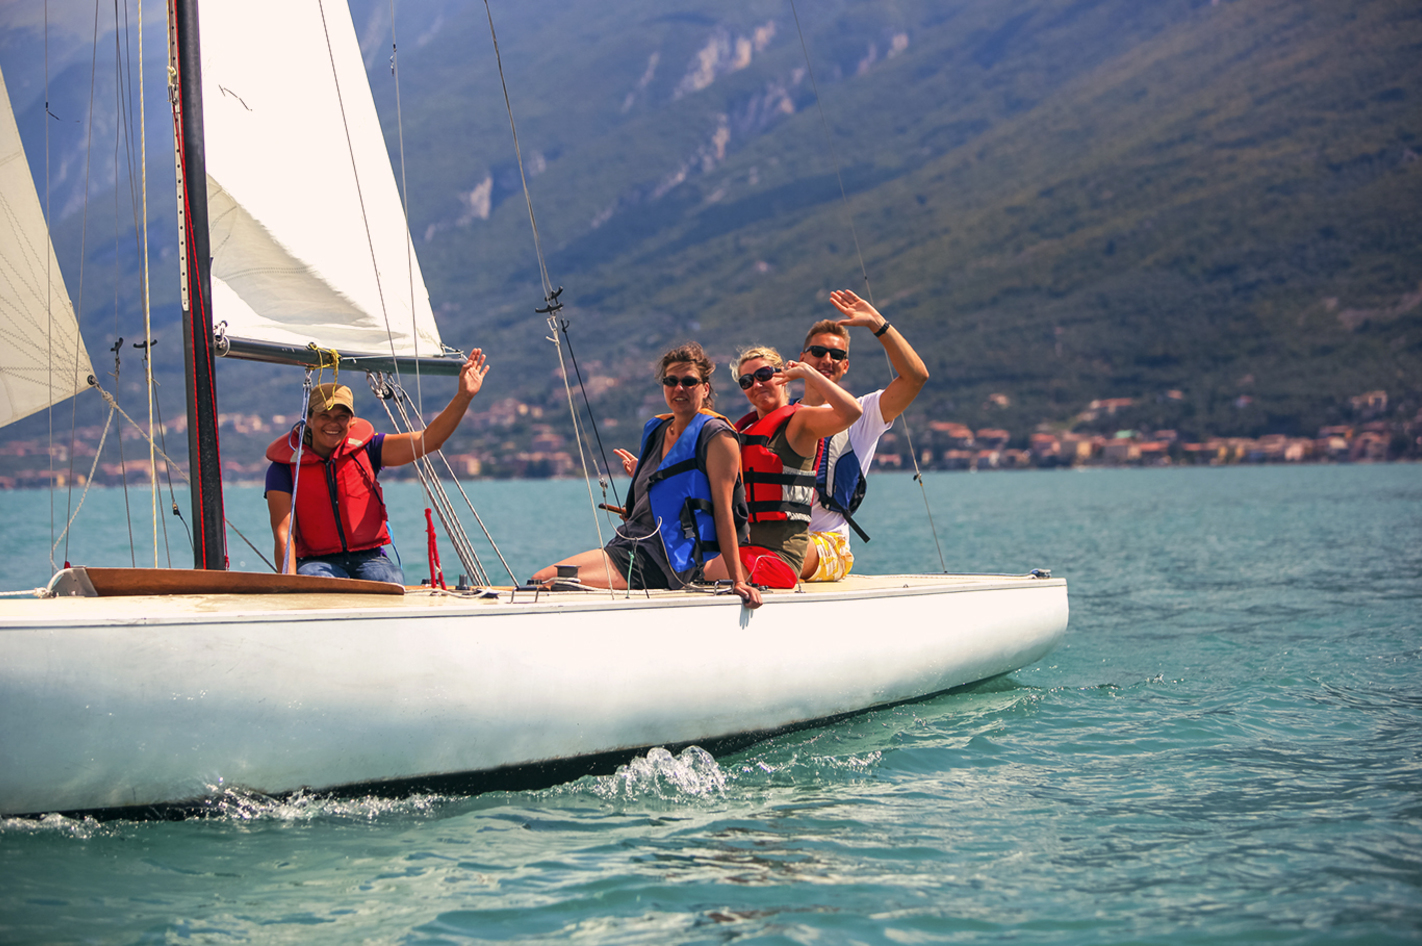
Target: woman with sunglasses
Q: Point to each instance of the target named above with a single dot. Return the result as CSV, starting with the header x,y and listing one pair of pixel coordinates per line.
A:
x,y
778,441
686,509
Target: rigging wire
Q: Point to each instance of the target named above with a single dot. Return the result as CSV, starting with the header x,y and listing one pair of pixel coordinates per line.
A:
x,y
405,210
119,138
123,472
87,483
172,464
147,308
383,389
550,296
360,193
138,198
863,269
172,499
83,244
286,559
402,395
452,527
592,421
48,296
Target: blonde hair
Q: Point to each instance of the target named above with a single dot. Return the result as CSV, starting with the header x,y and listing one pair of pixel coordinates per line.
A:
x,y
827,327
756,351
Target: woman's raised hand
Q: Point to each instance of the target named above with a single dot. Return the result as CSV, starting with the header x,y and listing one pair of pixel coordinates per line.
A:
x,y
792,371
629,461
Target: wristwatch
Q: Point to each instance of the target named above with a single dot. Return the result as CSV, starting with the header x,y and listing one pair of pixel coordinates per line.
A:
x,y
882,329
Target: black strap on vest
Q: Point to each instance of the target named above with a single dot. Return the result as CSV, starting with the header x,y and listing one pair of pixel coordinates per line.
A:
x,y
864,536
674,470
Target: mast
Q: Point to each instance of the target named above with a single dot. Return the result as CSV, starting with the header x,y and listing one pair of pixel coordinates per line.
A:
x,y
195,267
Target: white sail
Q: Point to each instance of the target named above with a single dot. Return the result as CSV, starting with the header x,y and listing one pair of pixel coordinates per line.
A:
x,y
309,240
42,357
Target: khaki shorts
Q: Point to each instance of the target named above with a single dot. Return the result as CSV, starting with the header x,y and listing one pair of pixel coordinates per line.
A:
x,y
835,557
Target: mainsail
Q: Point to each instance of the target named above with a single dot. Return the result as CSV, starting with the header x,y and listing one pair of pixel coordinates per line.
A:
x,y
309,240
42,357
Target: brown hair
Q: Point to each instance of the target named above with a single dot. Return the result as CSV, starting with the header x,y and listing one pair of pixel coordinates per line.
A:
x,y
692,354
827,327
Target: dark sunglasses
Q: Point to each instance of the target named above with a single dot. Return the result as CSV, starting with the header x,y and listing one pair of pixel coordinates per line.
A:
x,y
762,374
836,354
688,382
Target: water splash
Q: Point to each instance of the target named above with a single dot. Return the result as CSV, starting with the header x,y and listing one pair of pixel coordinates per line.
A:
x,y
659,774
79,828
235,804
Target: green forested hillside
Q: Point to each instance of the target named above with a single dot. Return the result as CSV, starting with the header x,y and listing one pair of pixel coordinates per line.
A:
x,y
1059,200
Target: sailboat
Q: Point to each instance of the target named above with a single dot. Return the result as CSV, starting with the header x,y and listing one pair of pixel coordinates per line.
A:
x,y
124,691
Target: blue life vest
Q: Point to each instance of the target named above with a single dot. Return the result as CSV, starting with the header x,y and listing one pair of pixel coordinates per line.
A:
x,y
839,482
680,495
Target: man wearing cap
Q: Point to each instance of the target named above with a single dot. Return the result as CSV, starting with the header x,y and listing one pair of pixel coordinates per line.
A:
x,y
340,511
844,459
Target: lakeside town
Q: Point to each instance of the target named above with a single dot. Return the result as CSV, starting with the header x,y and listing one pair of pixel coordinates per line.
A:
x,y
511,439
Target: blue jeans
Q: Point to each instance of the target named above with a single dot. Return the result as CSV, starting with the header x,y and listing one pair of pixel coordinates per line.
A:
x,y
369,565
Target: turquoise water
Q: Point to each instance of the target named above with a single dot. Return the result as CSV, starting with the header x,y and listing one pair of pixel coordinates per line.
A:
x,y
1226,749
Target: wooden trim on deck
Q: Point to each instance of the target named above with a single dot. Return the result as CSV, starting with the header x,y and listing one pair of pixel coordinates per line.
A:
x,y
109,582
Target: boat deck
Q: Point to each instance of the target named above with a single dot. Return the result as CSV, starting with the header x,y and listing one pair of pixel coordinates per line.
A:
x,y
129,608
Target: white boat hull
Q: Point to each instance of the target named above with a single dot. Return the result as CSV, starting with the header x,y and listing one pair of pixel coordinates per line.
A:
x,y
140,701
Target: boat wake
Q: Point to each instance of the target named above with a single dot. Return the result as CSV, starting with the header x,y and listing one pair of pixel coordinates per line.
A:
x,y
239,805
81,829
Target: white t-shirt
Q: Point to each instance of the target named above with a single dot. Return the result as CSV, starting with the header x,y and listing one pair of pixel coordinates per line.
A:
x,y
864,437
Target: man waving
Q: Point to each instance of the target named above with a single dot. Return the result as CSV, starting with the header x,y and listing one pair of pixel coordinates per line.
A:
x,y
844,459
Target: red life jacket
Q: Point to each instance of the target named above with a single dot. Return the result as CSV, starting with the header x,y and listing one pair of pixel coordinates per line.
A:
x,y
771,492
339,505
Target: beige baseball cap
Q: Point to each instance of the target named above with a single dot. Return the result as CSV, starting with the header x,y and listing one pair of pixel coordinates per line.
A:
x,y
329,395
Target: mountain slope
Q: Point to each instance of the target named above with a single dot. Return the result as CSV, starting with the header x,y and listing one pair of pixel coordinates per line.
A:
x,y
1057,200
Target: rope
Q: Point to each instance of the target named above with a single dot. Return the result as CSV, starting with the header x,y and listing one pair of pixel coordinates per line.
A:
x,y
864,271
321,365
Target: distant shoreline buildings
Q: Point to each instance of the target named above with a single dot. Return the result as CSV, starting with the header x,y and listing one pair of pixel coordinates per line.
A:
x,y
514,440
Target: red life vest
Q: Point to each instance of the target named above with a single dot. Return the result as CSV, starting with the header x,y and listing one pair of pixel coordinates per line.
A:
x,y
339,505
772,493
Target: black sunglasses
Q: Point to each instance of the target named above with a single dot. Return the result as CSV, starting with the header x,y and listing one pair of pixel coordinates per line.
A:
x,y
762,374
688,382
836,354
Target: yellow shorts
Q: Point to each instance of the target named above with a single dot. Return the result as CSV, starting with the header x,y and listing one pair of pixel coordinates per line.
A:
x,y
835,557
